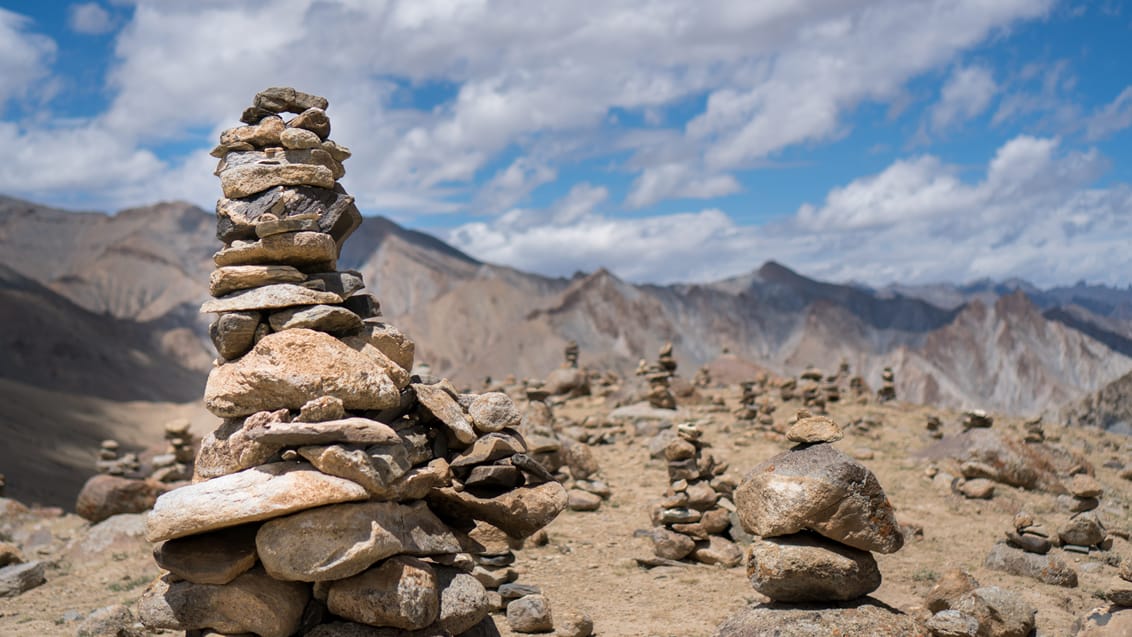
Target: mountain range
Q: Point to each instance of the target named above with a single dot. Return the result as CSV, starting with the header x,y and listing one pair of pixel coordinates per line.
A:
x,y
105,307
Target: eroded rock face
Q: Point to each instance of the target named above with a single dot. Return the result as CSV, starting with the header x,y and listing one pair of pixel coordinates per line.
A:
x,y
289,368
820,489
342,540
808,568
261,493
251,603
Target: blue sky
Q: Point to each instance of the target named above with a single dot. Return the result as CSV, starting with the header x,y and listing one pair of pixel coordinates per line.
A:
x,y
873,140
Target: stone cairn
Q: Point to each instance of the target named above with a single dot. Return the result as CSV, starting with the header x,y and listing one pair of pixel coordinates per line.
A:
x,y
934,426
813,397
1035,432
176,464
787,389
1084,531
571,355
338,492
111,463
702,379
887,389
692,521
976,419
816,515
747,409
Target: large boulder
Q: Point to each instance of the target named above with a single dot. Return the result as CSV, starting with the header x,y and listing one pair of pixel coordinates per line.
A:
x,y
809,568
103,496
818,488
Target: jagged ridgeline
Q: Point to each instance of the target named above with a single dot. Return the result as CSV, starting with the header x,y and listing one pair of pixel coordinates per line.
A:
x,y
336,492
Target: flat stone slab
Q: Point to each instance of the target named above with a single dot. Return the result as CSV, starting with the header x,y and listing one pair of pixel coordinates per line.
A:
x,y
298,249
354,430
866,618
261,493
1048,568
809,568
241,277
270,297
518,512
209,558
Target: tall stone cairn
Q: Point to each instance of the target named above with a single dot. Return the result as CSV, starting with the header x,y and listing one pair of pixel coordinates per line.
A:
x,y
334,495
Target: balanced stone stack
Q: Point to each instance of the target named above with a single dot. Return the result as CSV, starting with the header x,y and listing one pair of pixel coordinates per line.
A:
x,y
747,409
1084,531
1035,432
693,519
176,464
337,493
1026,553
934,427
666,360
832,388
812,395
977,419
571,354
660,393
788,389
887,389
702,378
111,463
817,515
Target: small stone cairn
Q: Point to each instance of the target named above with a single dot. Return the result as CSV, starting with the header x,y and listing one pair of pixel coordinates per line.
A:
x,y
569,461
571,354
816,515
812,396
339,493
747,409
787,389
691,522
887,391
1035,432
111,463
976,419
934,426
702,379
1084,531
176,464
1026,553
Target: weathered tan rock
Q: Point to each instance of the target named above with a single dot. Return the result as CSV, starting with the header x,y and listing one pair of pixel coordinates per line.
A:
x,y
494,411
104,495
251,603
313,119
209,558
809,568
530,614
670,545
580,459
342,540
303,250
376,474
1083,529
299,138
323,318
489,448
401,593
1048,569
243,180
289,368
261,493
820,489
718,551
1106,622
242,277
814,429
229,448
284,99
1001,613
519,512
233,333
1085,486
269,297
951,586
381,343
444,407
265,133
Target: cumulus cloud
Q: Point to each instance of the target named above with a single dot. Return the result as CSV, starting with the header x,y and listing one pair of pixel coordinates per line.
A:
x,y
966,94
25,58
526,75
1032,214
89,18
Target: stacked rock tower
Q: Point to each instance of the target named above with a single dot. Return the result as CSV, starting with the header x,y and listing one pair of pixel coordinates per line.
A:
x,y
339,492
816,515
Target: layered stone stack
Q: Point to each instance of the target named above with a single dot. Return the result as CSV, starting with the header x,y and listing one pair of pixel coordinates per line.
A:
x,y
766,408
569,461
571,354
666,360
977,419
934,427
1084,531
860,389
691,522
831,389
816,515
660,393
747,409
887,389
176,464
111,463
337,493
1035,432
787,390
702,378
813,397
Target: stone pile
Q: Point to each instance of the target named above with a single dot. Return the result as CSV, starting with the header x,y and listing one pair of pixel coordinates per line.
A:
x,y
1084,531
963,608
566,460
887,389
787,389
831,389
1026,553
568,380
977,419
176,464
860,390
666,360
934,427
702,378
660,393
571,354
817,515
339,492
813,397
111,463
747,409
1035,432
691,522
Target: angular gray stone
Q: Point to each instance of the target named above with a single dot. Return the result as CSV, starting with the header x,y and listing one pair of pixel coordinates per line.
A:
x,y
233,333
229,448
489,448
343,282
336,212
530,614
322,318
284,99
809,568
952,623
287,369
339,541
1047,569
209,558
401,592
821,489
353,430
234,278
109,621
251,603
463,601
444,408
19,578
820,620
519,512
261,493
1001,613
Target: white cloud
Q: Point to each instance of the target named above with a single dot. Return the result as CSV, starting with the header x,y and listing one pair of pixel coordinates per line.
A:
x,y
527,76
1112,117
25,58
1033,214
966,94
89,18
513,183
